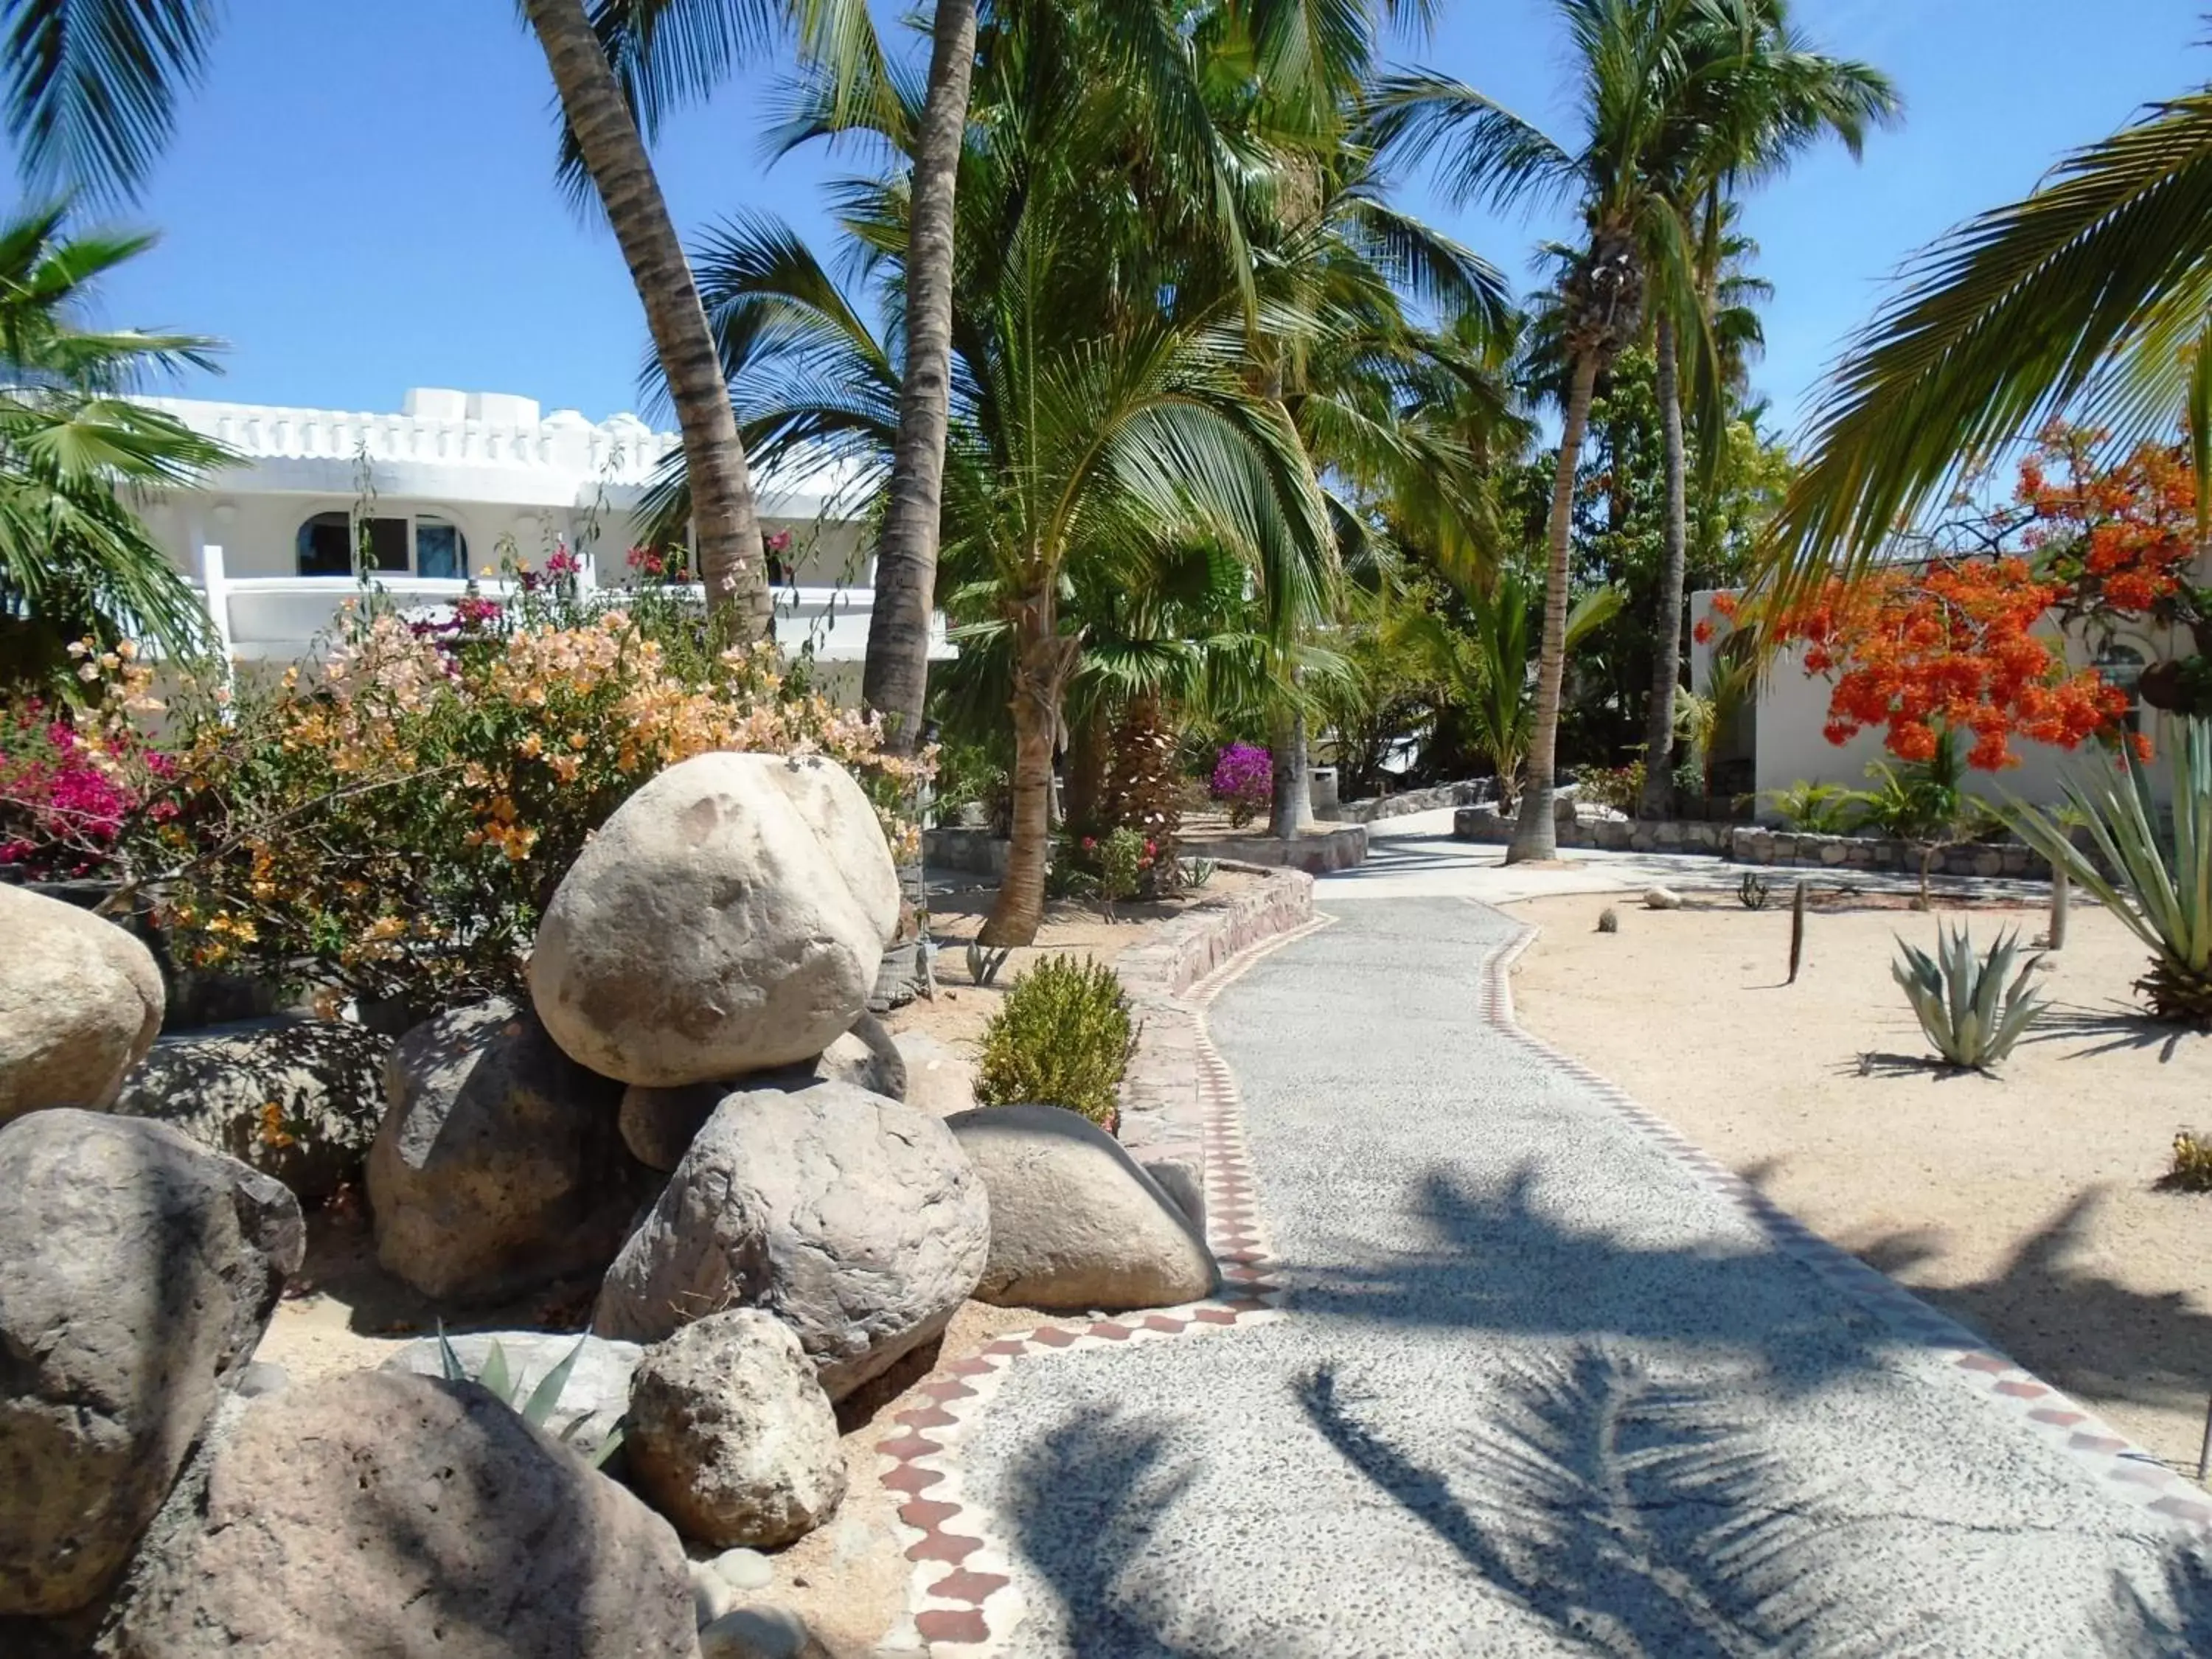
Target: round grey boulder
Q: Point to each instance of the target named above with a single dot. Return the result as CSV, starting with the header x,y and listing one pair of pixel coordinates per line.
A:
x,y
731,1437
939,1079
137,1273
854,1219
80,1003
1075,1223
381,1513
498,1168
298,1099
728,918
658,1125
592,1399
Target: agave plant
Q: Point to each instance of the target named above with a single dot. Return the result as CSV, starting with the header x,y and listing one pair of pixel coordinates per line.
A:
x,y
1964,1007
2160,884
496,1377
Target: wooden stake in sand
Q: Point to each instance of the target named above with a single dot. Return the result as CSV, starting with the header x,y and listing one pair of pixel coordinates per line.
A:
x,y
2204,1451
1797,931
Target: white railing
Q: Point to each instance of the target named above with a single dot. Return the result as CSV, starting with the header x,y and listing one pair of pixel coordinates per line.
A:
x,y
282,618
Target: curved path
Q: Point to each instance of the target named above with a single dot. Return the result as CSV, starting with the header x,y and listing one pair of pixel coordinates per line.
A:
x,y
1543,1384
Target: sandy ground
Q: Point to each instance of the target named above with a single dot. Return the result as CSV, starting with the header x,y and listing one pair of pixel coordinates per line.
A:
x,y
2024,1204
849,1579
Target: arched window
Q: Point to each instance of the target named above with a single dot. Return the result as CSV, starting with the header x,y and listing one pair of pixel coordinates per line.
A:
x,y
425,544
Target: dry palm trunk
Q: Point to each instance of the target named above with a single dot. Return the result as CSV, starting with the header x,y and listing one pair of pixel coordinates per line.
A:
x,y
725,522
894,680
1043,659
1090,752
1536,835
1667,626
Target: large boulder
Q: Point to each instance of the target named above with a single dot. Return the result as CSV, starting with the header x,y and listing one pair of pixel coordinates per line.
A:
x,y
137,1272
854,1219
658,1125
728,918
299,1099
592,1399
730,1435
939,1079
498,1168
380,1513
80,1003
1075,1223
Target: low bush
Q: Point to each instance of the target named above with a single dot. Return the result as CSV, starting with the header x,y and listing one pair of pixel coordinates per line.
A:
x,y
2191,1170
1619,787
394,820
1063,1038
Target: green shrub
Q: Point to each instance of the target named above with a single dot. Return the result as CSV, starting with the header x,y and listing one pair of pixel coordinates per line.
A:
x,y
1063,1038
1621,787
1816,809
1964,1006
2191,1171
496,1377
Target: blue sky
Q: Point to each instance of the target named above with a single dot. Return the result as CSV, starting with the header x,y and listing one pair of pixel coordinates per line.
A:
x,y
359,200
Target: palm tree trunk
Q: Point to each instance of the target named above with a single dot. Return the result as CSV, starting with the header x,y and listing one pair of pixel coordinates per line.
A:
x,y
1290,810
894,680
1043,659
1089,747
1535,835
1666,625
725,522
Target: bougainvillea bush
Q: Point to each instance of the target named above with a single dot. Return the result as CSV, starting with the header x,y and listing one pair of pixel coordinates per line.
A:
x,y
74,774
1243,780
395,820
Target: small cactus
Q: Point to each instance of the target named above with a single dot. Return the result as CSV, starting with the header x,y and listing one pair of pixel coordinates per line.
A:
x,y
1751,892
1608,920
983,963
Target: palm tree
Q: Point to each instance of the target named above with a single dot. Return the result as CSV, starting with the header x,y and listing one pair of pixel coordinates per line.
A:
x,y
1080,432
1754,97
2096,289
894,680
1649,72
73,558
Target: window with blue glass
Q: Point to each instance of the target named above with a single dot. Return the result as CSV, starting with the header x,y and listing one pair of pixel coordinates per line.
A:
x,y
329,542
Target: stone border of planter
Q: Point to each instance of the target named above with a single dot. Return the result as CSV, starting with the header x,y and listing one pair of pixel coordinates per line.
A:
x,y
2053,1418
963,1601
1756,844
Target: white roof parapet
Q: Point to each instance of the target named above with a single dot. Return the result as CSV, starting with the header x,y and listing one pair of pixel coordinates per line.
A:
x,y
621,450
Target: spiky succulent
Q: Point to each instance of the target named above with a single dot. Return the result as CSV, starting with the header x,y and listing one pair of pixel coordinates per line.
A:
x,y
1962,1000
496,1377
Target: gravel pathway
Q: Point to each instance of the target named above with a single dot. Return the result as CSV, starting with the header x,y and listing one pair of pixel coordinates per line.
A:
x,y
1539,1390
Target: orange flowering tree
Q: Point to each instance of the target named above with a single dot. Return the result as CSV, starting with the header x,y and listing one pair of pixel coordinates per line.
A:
x,y
1968,647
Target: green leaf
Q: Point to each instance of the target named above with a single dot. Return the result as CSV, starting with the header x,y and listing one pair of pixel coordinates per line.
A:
x,y
547,1394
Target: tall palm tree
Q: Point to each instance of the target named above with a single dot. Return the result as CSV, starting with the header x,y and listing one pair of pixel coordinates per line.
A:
x,y
1755,96
1647,71
2095,289
725,517
73,558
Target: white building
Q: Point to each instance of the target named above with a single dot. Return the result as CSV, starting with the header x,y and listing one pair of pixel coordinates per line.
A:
x,y
452,486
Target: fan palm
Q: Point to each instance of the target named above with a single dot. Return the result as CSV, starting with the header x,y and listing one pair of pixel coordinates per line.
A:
x,y
73,558
2096,286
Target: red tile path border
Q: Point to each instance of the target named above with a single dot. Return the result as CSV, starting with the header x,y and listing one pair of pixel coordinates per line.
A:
x,y
964,1601
2133,1474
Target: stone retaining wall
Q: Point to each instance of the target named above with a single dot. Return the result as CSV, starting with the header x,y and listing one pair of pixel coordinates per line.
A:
x,y
1317,852
1744,843
1162,1105
1411,800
